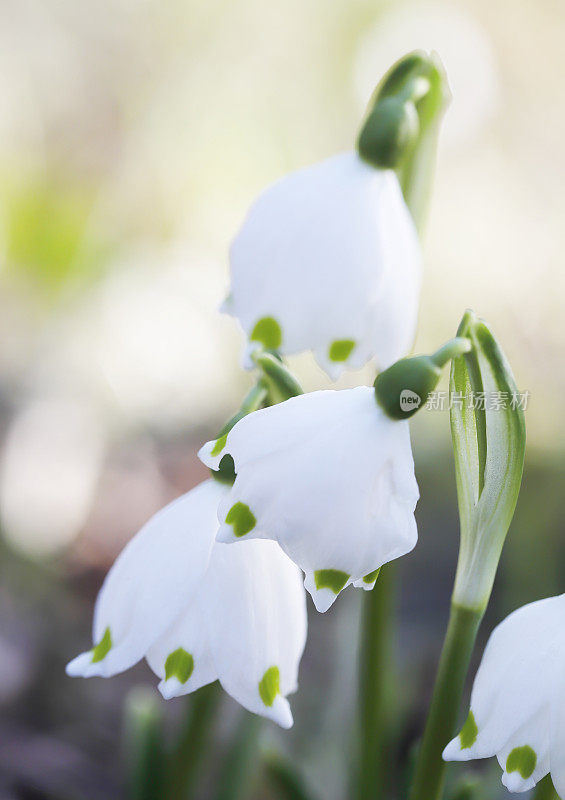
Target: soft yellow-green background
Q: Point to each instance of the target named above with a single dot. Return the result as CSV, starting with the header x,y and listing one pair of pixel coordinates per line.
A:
x,y
133,136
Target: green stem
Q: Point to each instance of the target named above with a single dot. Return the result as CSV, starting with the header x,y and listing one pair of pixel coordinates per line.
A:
x,y
452,349
284,779
442,718
144,746
374,688
187,756
241,764
545,790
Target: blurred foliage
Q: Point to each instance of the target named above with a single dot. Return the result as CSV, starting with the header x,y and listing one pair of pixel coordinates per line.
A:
x,y
46,229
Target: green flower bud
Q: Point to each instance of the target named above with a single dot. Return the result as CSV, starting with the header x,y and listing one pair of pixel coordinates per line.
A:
x,y
404,387
404,73
390,130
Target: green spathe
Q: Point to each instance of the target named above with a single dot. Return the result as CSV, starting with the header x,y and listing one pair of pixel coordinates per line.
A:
x,y
341,349
522,760
101,650
488,448
269,686
268,332
469,732
241,519
333,579
179,665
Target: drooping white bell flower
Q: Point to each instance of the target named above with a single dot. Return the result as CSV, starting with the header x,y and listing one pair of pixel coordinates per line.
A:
x,y
328,260
330,478
518,699
200,611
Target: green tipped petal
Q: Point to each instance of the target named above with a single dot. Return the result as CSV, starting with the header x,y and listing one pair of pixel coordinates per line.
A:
x,y
522,760
269,686
180,665
372,576
469,732
219,446
241,519
333,579
268,332
341,349
101,650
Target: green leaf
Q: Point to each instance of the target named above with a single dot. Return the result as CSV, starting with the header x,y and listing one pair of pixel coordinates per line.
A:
x,y
488,445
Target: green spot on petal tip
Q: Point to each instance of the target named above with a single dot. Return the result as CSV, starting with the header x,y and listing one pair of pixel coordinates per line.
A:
x,y
269,686
341,349
372,576
268,332
333,579
469,732
101,650
241,519
179,665
522,760
219,445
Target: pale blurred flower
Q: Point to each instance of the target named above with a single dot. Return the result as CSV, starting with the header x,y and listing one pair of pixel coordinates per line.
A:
x,y
49,472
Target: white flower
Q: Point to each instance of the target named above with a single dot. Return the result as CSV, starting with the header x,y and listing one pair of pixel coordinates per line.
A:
x,y
198,610
518,699
330,478
328,260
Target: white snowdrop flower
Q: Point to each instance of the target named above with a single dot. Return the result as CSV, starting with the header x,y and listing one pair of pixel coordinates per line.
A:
x,y
518,699
200,611
329,477
328,260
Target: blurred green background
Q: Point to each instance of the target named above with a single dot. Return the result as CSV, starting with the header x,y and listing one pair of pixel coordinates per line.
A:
x,y
133,136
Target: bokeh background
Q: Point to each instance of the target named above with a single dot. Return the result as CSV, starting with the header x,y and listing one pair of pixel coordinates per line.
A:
x,y
133,136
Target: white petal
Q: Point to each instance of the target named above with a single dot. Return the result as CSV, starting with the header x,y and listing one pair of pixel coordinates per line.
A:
x,y
330,252
330,478
152,581
514,692
186,639
256,614
557,736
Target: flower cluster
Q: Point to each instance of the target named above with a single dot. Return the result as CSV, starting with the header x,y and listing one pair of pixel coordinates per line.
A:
x,y
327,260
318,490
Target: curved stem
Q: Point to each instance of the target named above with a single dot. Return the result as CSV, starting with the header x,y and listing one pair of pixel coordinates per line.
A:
x,y
452,349
374,688
442,717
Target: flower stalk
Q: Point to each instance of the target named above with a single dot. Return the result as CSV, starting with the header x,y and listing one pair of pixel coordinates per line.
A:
x,y
374,687
186,758
446,700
